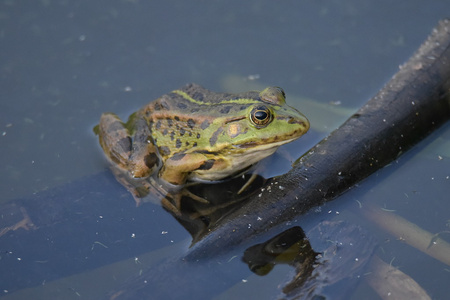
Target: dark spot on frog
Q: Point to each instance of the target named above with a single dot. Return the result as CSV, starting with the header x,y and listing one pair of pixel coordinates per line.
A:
x,y
194,110
157,107
198,96
215,136
173,95
207,164
226,109
190,123
164,150
172,135
198,135
293,121
178,156
125,144
115,126
151,160
194,144
178,143
206,152
165,131
169,122
247,145
204,125
165,105
243,107
182,131
187,144
181,105
158,125
177,118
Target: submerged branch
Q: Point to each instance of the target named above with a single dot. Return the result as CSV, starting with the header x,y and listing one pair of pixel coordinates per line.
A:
x,y
413,235
391,283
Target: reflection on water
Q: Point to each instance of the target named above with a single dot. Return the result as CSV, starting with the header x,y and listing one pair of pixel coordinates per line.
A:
x,y
340,255
198,217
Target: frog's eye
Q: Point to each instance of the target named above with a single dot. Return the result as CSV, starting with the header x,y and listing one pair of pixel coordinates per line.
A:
x,y
261,116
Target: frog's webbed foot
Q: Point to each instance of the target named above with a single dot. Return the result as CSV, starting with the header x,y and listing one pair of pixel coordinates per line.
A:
x,y
25,223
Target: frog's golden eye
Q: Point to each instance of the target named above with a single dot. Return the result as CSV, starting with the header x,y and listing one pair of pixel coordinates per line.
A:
x,y
261,116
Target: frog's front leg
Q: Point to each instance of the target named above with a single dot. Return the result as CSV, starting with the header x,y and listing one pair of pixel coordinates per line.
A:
x,y
177,168
136,155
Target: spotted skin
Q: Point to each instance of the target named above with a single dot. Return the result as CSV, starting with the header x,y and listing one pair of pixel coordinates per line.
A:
x,y
195,134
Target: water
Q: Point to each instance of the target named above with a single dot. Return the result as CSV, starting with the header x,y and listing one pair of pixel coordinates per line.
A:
x,y
63,63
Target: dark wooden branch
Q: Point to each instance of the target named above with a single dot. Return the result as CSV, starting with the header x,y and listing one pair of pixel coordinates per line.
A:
x,y
411,105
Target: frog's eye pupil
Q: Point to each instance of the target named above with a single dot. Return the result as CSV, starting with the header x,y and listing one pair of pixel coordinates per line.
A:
x,y
261,116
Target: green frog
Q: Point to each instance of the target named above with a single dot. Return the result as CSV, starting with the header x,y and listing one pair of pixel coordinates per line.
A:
x,y
193,134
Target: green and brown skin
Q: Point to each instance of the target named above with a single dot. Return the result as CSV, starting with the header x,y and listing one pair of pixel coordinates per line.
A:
x,y
193,134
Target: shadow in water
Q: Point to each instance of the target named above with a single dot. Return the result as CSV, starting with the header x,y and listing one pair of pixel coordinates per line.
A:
x,y
88,223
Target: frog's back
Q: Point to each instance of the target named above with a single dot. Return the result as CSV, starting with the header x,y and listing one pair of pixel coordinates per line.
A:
x,y
190,118
194,99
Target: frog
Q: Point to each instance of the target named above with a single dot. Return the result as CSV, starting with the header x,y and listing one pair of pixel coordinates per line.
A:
x,y
195,135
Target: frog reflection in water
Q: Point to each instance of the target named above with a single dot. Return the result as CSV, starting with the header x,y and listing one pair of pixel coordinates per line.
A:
x,y
193,134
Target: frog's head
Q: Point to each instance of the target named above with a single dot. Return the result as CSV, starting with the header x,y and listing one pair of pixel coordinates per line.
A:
x,y
265,125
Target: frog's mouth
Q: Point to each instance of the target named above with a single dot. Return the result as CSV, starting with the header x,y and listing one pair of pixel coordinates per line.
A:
x,y
263,144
